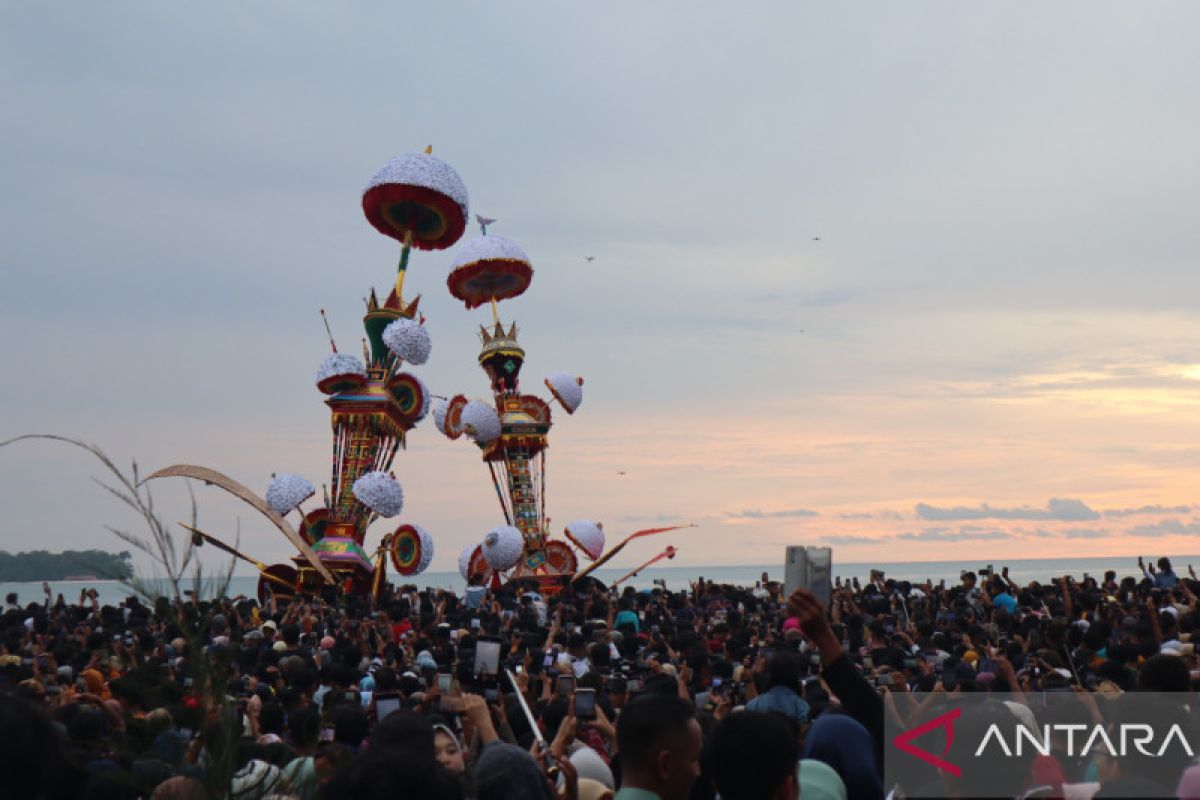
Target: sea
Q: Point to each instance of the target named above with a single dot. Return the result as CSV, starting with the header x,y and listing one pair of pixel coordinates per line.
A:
x,y
679,577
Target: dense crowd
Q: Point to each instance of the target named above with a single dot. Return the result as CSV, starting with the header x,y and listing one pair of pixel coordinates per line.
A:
x,y
736,692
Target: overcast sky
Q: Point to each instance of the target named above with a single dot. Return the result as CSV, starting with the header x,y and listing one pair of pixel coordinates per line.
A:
x,y
917,280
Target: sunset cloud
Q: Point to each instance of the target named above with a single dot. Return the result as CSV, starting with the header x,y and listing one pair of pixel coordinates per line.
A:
x,y
1166,527
963,534
1062,509
1150,509
787,513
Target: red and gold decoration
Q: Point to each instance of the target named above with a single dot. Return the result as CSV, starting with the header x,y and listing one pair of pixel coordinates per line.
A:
x,y
374,402
511,429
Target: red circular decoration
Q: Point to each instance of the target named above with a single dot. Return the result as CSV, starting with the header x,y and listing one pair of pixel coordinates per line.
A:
x,y
561,559
435,220
312,527
478,565
405,550
453,420
480,281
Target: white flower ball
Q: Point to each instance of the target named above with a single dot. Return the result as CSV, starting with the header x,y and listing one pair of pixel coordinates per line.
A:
x,y
483,421
340,364
379,492
588,536
409,340
287,491
502,547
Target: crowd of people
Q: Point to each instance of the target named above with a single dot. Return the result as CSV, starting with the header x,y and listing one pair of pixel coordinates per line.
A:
x,y
587,693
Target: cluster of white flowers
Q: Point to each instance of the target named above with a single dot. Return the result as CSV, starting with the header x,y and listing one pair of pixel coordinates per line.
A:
x,y
340,364
488,248
425,170
567,388
409,340
588,536
464,561
483,422
379,492
287,491
502,547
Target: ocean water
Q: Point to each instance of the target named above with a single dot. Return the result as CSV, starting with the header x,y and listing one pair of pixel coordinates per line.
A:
x,y
1020,570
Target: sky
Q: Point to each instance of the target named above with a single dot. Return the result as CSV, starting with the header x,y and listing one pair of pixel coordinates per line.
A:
x,y
915,281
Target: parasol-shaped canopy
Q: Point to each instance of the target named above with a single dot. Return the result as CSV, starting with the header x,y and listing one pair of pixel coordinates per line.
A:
x,y
567,389
421,195
287,491
411,549
588,536
340,372
489,268
379,492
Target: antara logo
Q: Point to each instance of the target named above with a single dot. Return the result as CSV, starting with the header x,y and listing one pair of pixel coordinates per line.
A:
x,y
1095,738
904,741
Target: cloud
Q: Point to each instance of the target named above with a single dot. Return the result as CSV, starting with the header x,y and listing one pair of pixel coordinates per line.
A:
x,y
963,534
869,515
787,513
636,519
1154,509
1166,527
1061,509
1077,533
849,539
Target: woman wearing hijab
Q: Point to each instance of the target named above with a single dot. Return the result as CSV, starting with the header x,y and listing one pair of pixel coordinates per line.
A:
x,y
845,745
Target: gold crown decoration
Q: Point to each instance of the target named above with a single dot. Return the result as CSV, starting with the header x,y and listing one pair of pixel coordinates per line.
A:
x,y
393,304
499,341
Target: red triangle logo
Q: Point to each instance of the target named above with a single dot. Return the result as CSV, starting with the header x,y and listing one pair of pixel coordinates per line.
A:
x,y
904,741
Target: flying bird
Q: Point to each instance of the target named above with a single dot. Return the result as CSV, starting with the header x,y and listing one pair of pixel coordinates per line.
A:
x,y
816,238
483,223
620,472
589,259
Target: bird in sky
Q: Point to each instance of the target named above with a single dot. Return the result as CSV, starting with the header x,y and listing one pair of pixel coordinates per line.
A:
x,y
816,238
589,259
620,472
483,223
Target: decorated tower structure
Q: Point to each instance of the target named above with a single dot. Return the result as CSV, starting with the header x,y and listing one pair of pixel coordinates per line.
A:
x,y
512,429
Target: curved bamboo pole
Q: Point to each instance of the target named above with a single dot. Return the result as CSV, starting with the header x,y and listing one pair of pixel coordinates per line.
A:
x,y
214,478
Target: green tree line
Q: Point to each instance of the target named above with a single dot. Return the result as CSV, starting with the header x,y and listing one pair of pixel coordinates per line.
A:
x,y
41,565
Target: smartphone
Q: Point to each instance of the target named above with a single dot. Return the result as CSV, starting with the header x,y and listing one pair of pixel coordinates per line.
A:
x,y
326,735
491,694
445,682
883,680
385,704
868,662
565,685
474,623
487,657
548,661
585,703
